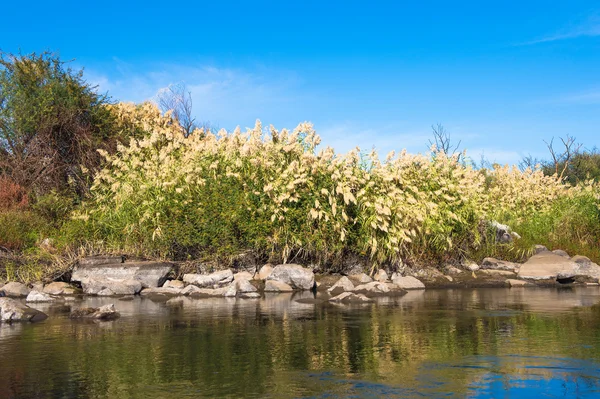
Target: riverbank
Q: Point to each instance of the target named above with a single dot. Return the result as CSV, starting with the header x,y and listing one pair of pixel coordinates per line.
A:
x,y
114,276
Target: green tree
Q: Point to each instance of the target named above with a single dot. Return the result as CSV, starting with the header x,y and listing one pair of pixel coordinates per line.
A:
x,y
51,123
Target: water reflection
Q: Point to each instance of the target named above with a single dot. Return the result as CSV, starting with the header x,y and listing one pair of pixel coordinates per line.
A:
x,y
474,343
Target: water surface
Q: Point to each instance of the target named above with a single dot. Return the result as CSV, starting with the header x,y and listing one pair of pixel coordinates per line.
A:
x,y
513,343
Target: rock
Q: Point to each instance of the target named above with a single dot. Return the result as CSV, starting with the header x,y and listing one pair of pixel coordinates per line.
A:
x,y
106,312
518,283
60,288
585,267
503,232
243,276
188,290
265,272
350,297
496,264
449,278
37,286
360,278
381,276
36,296
110,287
548,265
277,286
149,274
245,286
374,288
213,280
230,291
100,260
470,265
16,290
428,273
13,310
174,284
539,249
293,275
562,253
250,295
162,291
344,284
408,283
498,273
453,271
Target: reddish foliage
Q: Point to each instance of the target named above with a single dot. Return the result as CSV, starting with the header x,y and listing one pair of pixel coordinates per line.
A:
x,y
12,195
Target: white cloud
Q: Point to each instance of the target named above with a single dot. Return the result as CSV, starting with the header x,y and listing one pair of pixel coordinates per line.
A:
x,y
588,28
225,97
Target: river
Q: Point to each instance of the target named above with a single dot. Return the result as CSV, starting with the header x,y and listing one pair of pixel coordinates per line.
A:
x,y
513,343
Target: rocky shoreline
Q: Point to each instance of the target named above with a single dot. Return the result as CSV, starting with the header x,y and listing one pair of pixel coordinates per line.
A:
x,y
110,276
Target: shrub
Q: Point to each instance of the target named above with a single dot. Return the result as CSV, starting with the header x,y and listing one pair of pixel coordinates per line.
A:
x,y
12,195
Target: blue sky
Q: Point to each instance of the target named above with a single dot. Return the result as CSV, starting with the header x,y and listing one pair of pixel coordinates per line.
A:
x,y
500,77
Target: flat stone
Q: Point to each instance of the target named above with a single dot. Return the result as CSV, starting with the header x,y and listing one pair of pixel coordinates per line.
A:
x,y
295,276
548,265
230,291
16,290
36,296
374,288
106,312
408,283
496,264
518,283
265,272
344,284
110,287
498,273
350,297
149,274
277,286
250,295
213,280
360,278
161,291
100,260
59,288
13,310
174,284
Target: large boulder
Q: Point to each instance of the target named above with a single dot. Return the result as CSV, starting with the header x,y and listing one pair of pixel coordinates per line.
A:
x,y
585,267
374,288
16,290
295,276
408,282
243,275
162,291
547,266
227,291
59,288
213,280
496,264
106,312
13,310
149,274
344,284
174,284
100,260
111,287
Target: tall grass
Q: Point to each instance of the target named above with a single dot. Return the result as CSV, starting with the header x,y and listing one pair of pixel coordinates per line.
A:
x,y
282,197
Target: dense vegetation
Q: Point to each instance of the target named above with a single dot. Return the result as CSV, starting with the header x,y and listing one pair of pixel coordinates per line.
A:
x,y
161,191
